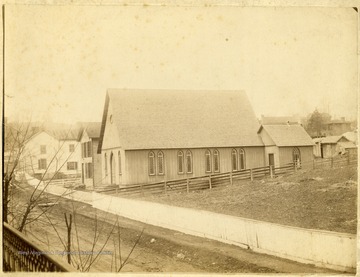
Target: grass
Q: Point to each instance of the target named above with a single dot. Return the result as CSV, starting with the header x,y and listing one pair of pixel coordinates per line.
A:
x,y
323,199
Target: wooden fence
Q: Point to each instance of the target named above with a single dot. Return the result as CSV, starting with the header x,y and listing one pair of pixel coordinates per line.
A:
x,y
202,182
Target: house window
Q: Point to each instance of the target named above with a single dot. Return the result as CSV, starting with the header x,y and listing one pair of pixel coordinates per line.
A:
x,y
112,169
208,161
83,150
189,165
42,149
105,163
242,159
119,158
151,163
89,149
296,156
42,164
160,158
71,148
71,165
234,160
216,161
180,156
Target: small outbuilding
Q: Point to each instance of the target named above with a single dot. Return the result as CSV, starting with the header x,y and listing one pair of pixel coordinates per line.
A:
x,y
285,144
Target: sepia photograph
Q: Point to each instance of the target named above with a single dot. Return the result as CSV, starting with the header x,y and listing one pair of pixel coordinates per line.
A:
x,y
181,138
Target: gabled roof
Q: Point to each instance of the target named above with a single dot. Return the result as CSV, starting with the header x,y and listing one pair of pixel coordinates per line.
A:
x,y
351,136
153,119
330,139
288,135
92,129
347,144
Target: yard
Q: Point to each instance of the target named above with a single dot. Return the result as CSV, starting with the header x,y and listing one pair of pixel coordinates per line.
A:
x,y
323,199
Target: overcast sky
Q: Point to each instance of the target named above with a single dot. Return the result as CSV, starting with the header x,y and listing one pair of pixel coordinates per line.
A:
x,y
59,60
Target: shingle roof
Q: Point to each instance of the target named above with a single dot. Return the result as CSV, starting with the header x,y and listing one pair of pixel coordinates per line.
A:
x,y
330,139
93,129
148,119
288,135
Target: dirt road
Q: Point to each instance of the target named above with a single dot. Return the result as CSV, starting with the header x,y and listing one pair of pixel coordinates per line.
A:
x,y
157,250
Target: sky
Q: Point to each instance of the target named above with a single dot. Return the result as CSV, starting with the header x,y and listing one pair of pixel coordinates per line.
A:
x,y
60,60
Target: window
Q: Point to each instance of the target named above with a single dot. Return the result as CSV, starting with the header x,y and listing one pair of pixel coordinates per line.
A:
x,y
160,158
296,156
71,165
42,164
71,148
216,161
112,169
180,156
207,161
89,149
119,158
151,163
188,162
105,164
242,159
42,149
234,160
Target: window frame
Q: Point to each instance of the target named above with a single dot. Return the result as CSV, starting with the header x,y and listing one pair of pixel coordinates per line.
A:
x,y
187,156
72,148
40,164
242,159
119,162
208,163
234,153
42,149
160,156
216,155
151,161
71,163
180,154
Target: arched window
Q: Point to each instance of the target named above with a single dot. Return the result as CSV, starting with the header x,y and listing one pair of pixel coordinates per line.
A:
x,y
234,160
151,163
119,162
180,156
296,156
207,161
242,158
216,161
160,158
189,165
105,158
112,169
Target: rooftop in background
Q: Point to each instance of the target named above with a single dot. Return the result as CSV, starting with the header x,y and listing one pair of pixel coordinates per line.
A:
x,y
288,135
279,120
93,129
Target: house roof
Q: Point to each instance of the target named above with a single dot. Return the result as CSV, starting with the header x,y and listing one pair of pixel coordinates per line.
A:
x,y
330,139
288,135
151,119
93,129
351,136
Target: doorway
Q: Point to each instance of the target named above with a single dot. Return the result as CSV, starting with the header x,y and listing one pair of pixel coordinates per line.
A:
x,y
271,160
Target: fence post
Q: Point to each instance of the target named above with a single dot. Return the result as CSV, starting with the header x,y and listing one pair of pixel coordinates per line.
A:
x,y
271,172
165,186
142,191
187,185
295,166
251,175
210,185
231,178
332,162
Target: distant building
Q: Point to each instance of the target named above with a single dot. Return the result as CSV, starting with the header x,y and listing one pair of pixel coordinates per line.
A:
x,y
331,146
90,159
286,144
337,127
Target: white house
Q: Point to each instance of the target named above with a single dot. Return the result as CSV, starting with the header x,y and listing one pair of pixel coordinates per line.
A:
x,y
52,152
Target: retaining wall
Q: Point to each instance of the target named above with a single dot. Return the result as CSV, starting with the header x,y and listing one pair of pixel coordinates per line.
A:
x,y
322,248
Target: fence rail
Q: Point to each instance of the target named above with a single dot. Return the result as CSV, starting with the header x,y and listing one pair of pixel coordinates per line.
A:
x,y
20,254
220,179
